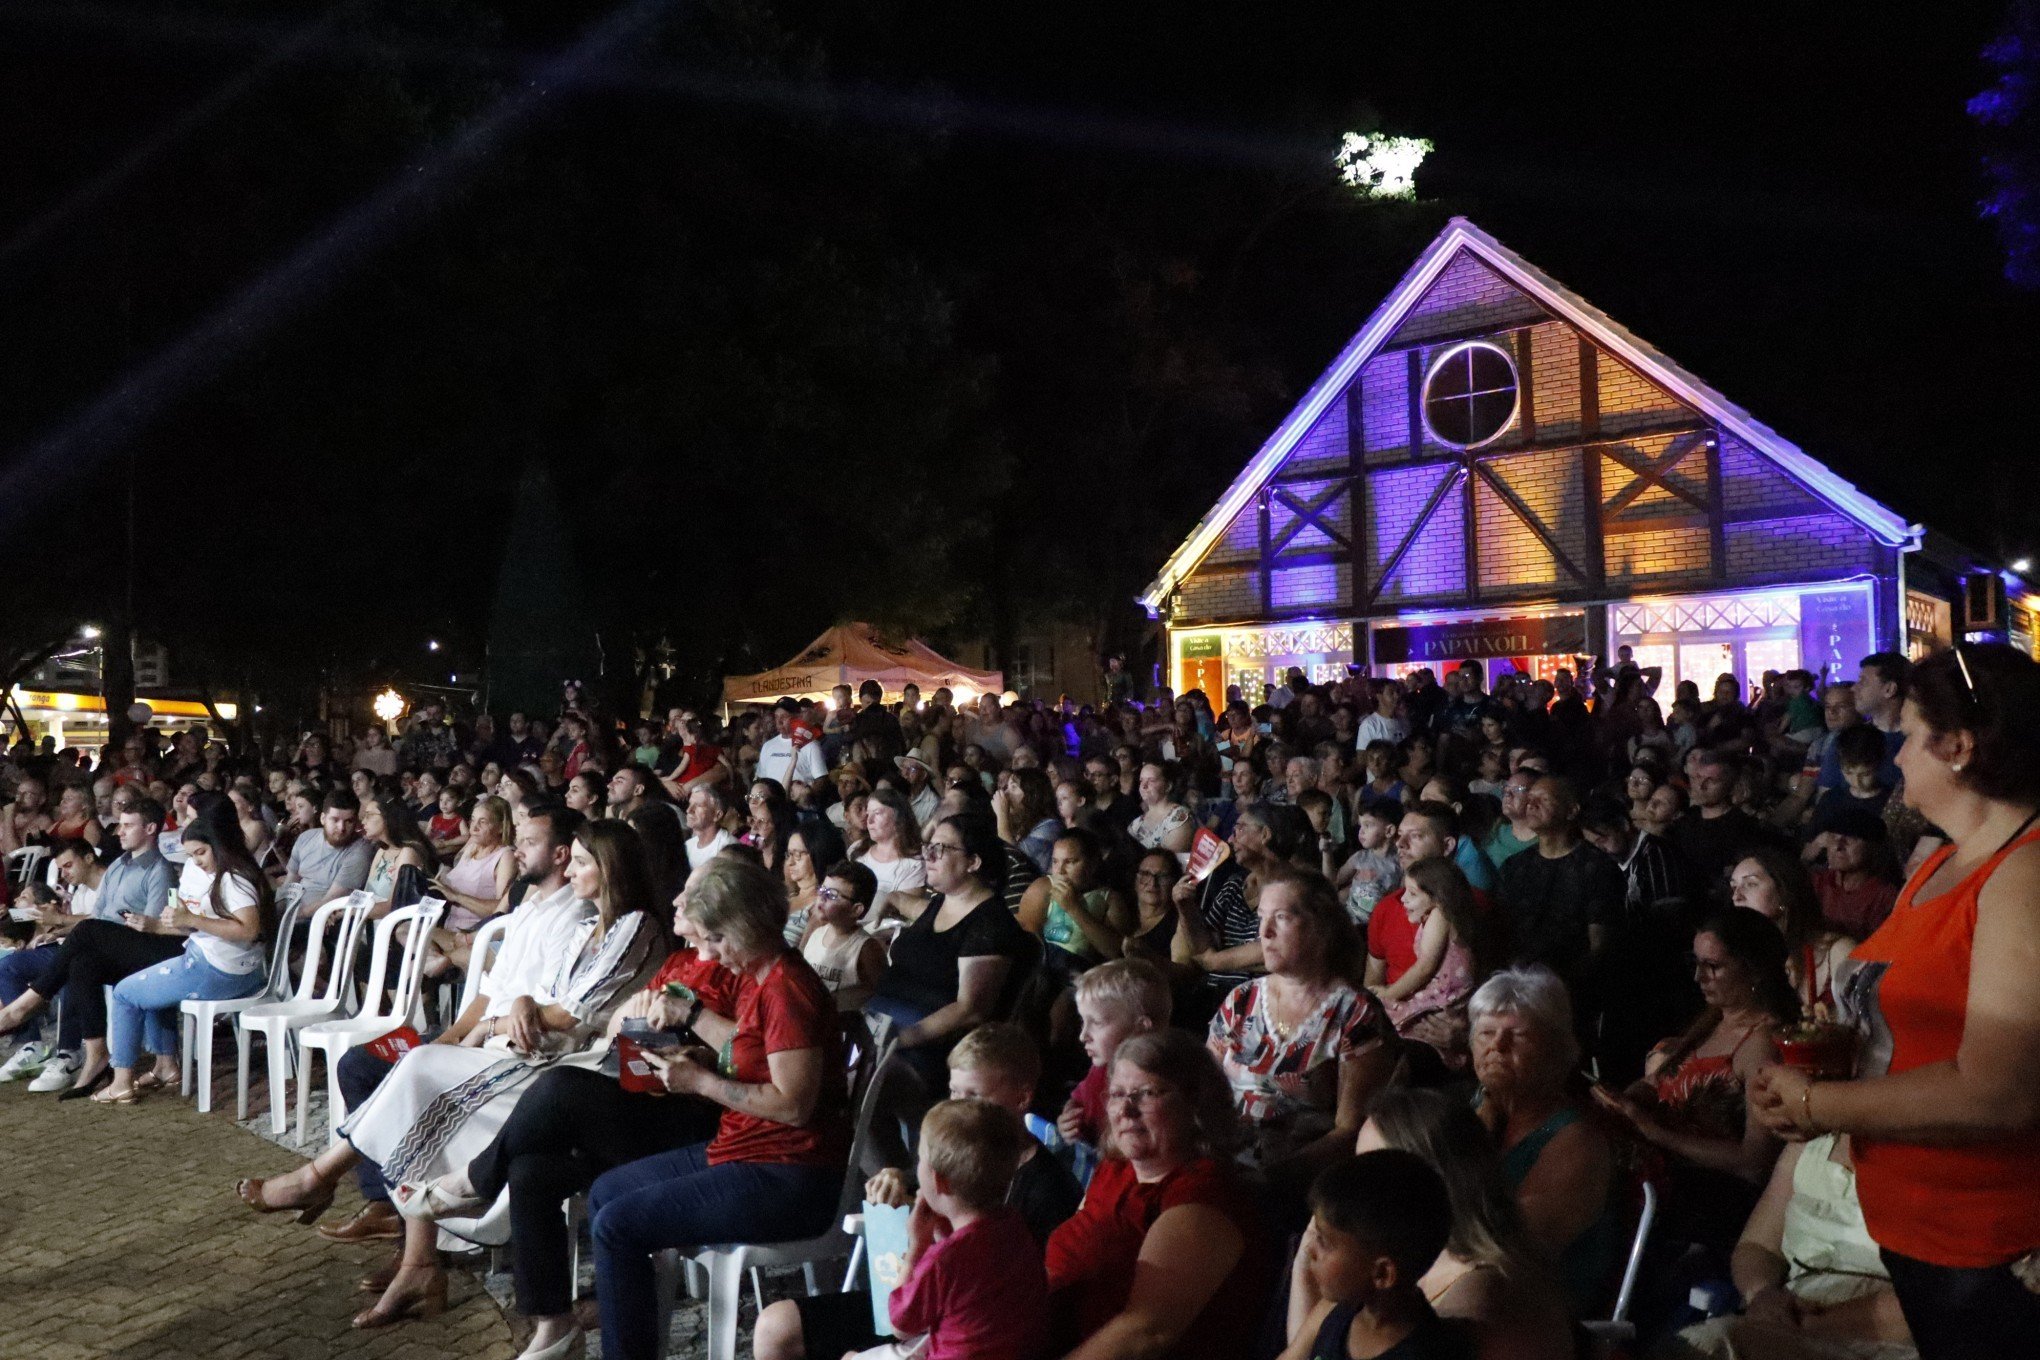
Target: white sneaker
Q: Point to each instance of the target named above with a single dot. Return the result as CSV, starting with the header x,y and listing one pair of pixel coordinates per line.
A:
x,y
26,1061
58,1073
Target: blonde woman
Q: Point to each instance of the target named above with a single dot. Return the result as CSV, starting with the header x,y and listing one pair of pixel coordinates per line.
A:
x,y
474,885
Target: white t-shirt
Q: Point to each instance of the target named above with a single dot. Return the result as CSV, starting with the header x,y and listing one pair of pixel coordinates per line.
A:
x,y
778,760
195,894
901,875
1375,728
698,855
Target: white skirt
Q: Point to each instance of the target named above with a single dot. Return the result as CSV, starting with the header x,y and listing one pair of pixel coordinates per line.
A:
x,y
442,1104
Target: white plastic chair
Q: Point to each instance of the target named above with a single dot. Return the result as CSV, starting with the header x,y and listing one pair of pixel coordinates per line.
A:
x,y
22,863
335,1037
197,1018
481,953
1617,1327
277,1021
725,1265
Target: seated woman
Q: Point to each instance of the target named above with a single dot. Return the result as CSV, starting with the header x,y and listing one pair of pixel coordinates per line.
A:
x,y
389,824
1554,1160
563,969
1081,920
1813,1283
1165,1257
1303,1049
74,820
1489,1274
1163,823
1690,1104
1218,925
26,821
474,885
1775,885
575,1124
1025,808
222,915
954,967
891,844
774,1170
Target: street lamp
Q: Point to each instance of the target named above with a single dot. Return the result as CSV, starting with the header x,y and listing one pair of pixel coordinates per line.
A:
x,y
2022,566
389,706
89,632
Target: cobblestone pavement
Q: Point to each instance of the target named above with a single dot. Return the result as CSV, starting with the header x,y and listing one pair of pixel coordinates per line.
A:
x,y
121,1239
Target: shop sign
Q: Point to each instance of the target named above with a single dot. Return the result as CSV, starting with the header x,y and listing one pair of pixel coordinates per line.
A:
x,y
1477,640
1200,645
1834,632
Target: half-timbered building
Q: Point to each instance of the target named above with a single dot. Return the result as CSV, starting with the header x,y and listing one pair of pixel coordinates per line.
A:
x,y
1495,469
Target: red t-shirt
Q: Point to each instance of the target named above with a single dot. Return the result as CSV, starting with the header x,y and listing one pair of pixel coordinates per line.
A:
x,y
1091,1257
1392,937
696,761
1089,1098
789,1009
716,985
1858,911
978,1294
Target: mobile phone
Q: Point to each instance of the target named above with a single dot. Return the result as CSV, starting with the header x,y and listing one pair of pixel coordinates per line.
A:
x,y
652,1040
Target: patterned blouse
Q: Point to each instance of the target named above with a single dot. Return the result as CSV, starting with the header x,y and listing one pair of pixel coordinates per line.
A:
x,y
1287,1089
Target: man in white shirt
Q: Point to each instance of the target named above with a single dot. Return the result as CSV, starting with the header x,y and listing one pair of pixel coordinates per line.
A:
x,y
542,924
1383,724
782,759
706,808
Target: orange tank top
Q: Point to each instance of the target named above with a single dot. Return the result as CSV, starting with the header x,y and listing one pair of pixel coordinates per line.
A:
x,y
1972,1206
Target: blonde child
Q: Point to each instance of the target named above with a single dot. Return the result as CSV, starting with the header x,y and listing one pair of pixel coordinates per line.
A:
x,y
975,1286
1115,1001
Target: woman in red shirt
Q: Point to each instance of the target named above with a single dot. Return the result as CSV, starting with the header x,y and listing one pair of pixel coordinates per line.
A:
x,y
1945,1109
1165,1257
774,1170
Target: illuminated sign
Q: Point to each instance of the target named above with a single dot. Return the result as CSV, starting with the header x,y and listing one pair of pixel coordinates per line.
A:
x,y
1478,639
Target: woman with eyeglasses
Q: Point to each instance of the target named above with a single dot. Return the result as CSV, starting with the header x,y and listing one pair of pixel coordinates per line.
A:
x,y
1166,1255
1944,1112
951,967
811,847
1690,1102
768,821
1153,934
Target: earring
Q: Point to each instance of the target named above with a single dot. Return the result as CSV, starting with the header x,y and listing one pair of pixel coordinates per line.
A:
x,y
1957,767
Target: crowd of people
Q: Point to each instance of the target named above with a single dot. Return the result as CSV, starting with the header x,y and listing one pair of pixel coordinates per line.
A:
x,y
1350,1021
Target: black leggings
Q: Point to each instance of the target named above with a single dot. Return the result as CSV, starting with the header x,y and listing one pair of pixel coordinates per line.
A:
x,y
569,1128
95,955
1964,1314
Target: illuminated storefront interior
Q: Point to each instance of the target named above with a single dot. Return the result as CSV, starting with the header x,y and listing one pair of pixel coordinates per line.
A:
x,y
80,719
1256,658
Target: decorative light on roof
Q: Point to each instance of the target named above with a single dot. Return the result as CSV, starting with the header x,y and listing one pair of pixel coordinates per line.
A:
x,y
1377,166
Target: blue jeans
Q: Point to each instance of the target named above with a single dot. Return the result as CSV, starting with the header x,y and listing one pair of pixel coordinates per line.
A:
x,y
17,971
360,1072
149,998
676,1199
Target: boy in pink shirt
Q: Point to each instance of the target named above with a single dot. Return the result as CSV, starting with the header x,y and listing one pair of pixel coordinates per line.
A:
x,y
975,1285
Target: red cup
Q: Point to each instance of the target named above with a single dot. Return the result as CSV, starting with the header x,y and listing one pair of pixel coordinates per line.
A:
x,y
633,1071
1823,1052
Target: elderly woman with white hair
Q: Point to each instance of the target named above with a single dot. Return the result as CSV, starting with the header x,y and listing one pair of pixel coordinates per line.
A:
x,y
1556,1162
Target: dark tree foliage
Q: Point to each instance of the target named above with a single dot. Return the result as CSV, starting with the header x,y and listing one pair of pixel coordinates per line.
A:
x,y
2010,109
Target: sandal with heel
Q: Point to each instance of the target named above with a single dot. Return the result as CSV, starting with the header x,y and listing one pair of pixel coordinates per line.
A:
x,y
249,1192
431,1302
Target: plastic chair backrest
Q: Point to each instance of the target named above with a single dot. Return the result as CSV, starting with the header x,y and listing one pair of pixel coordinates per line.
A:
x,y
866,1088
1633,1267
421,916
353,910
21,863
487,936
279,950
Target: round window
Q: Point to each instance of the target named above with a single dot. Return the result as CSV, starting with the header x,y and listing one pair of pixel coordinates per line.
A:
x,y
1470,396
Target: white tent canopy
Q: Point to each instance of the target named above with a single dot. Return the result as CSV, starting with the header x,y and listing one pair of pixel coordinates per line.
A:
x,y
851,653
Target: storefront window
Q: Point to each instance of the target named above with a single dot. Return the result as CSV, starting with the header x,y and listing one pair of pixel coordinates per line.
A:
x,y
1256,659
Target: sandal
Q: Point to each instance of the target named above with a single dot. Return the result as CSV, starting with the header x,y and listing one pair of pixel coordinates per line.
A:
x,y
249,1191
149,1081
110,1097
429,1303
428,1202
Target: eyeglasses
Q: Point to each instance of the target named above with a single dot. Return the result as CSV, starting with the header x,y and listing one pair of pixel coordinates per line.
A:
x,y
936,850
827,894
1143,1096
754,797
1152,876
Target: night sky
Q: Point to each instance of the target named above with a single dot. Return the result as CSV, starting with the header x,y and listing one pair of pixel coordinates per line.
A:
x,y
809,305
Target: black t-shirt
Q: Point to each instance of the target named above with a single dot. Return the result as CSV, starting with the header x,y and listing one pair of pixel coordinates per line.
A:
x,y
1433,1338
924,972
1045,1193
1549,903
1712,845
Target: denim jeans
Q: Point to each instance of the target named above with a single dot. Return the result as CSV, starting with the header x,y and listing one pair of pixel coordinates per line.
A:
x,y
676,1199
17,971
1964,1314
149,999
360,1072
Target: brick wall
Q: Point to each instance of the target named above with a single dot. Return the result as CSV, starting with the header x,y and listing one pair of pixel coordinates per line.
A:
x,y
1436,563
1751,485
1654,560
1555,378
1465,295
1384,405
1512,556
1629,401
1798,547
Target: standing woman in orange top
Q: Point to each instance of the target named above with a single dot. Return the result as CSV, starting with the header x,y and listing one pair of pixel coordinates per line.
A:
x,y
1945,1111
